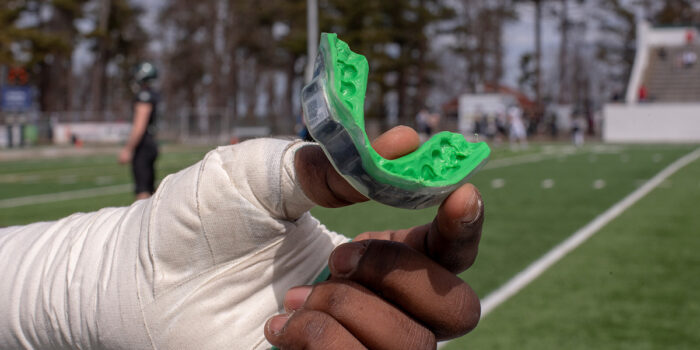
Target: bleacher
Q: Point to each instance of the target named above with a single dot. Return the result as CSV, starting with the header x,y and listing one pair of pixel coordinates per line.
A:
x,y
667,79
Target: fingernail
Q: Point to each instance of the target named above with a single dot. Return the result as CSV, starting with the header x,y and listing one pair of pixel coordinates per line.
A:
x,y
276,324
472,208
345,258
296,297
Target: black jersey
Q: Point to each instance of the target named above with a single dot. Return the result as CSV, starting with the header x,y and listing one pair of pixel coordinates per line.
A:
x,y
146,151
146,95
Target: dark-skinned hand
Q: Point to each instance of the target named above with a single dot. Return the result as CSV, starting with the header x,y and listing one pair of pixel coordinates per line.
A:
x,y
388,290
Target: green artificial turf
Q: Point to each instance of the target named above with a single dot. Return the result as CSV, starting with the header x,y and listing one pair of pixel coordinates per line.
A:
x,y
634,285
57,210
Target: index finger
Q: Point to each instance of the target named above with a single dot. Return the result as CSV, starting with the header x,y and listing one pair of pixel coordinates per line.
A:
x,y
452,239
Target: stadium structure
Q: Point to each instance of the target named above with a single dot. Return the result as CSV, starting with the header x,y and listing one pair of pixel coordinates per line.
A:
x,y
662,104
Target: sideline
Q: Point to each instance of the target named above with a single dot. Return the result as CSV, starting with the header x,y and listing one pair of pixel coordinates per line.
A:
x,y
529,274
64,196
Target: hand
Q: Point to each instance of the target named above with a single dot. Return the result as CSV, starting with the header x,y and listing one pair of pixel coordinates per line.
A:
x,y
125,156
209,258
392,289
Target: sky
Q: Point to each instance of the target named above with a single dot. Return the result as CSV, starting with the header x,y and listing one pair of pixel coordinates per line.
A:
x,y
519,38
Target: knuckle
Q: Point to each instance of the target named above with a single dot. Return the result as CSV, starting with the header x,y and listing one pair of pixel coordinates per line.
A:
x,y
330,297
424,340
382,257
316,326
419,337
465,315
306,327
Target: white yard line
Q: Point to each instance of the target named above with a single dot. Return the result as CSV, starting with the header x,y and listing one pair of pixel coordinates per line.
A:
x,y
64,196
525,277
530,158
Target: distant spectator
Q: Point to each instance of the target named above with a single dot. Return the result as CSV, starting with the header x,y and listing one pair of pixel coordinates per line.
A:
x,y
501,124
423,124
643,93
551,122
491,126
689,59
434,122
689,37
477,124
517,129
577,131
662,53
616,96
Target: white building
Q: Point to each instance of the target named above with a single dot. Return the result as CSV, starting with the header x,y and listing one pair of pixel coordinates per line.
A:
x,y
663,96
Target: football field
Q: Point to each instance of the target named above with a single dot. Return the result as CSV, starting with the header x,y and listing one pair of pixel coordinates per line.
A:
x,y
631,282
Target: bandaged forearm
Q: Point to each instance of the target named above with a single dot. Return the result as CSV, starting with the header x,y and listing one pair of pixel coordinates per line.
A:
x,y
202,264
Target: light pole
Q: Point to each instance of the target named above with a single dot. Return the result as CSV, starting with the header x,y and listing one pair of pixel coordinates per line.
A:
x,y
312,37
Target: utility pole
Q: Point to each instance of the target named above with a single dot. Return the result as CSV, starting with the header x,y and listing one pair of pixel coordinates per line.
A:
x,y
538,52
311,38
100,57
563,52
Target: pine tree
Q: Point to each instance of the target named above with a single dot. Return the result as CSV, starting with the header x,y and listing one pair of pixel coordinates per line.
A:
x,y
678,12
617,46
394,38
479,34
118,38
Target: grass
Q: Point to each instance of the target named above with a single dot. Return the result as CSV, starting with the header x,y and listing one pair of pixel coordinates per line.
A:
x,y
631,286
524,220
46,176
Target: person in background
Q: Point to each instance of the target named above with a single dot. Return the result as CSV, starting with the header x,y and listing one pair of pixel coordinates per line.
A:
x,y
141,148
689,59
662,53
501,125
578,130
423,124
643,93
517,131
434,123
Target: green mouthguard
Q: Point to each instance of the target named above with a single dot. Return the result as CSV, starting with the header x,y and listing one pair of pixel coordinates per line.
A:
x,y
422,177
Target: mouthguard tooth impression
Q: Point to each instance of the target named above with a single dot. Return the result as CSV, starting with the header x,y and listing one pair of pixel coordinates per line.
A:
x,y
333,106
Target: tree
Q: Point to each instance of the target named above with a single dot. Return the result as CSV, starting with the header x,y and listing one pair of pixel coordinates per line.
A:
x,y
45,41
46,44
394,38
118,39
527,78
566,24
538,46
678,12
617,45
9,33
479,41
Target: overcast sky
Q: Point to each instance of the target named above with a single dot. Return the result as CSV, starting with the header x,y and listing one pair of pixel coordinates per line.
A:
x,y
519,38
